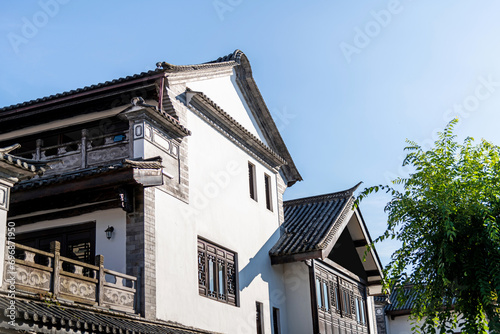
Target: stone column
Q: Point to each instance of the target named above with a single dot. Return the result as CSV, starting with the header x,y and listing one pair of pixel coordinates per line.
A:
x,y
141,247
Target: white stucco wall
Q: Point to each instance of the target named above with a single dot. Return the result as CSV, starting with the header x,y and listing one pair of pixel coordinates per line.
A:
x,y
402,325
298,298
113,250
219,210
224,91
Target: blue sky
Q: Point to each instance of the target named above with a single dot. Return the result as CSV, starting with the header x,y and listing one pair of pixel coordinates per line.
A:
x,y
346,82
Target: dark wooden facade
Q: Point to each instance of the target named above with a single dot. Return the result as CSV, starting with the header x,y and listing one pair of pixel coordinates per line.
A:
x,y
339,301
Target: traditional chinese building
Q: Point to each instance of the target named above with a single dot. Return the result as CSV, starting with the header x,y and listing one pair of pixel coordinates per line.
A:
x,y
163,212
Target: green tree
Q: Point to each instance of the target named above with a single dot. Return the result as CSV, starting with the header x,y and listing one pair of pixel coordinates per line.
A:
x,y
446,215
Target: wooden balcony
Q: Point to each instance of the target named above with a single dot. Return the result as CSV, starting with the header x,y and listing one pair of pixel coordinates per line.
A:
x,y
50,275
90,150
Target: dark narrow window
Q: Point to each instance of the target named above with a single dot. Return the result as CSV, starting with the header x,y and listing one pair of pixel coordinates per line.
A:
x,y
346,302
269,198
251,180
358,313
335,296
211,276
363,317
318,293
276,321
217,272
325,295
259,317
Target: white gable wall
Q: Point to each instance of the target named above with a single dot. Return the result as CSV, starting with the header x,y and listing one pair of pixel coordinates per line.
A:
x,y
220,210
224,91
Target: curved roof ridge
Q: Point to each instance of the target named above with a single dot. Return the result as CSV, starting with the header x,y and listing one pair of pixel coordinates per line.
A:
x,y
323,198
234,56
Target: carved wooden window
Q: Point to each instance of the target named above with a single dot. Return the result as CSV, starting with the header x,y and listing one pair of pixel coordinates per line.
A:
x,y
269,197
340,301
252,181
217,272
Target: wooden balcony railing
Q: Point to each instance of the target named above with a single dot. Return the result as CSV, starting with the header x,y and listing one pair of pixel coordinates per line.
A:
x,y
89,151
81,282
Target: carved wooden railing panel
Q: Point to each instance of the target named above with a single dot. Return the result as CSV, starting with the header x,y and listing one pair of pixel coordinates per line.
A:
x,y
73,280
88,151
31,276
117,295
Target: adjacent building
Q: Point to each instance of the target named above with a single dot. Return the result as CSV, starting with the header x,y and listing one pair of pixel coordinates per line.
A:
x,y
160,209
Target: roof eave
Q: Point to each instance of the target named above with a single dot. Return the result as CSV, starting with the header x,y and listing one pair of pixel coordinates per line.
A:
x,y
253,97
297,257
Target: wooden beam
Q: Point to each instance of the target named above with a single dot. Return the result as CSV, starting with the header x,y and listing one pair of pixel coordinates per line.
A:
x,y
360,243
372,273
279,259
114,177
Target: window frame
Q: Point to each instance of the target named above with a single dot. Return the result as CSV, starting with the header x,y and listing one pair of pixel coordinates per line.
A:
x,y
221,257
252,181
276,321
269,192
259,317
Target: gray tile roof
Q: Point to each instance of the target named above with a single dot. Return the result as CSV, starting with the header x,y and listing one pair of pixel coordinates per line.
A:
x,y
310,223
80,90
161,67
151,163
60,317
397,305
20,167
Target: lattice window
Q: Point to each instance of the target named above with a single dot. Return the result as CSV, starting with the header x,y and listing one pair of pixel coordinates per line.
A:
x,y
341,298
217,272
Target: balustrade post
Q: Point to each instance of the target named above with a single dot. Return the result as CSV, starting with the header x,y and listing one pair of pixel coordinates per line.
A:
x,y
38,153
99,261
55,248
84,148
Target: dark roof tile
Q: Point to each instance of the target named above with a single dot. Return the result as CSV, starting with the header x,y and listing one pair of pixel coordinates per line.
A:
x,y
151,163
39,314
311,222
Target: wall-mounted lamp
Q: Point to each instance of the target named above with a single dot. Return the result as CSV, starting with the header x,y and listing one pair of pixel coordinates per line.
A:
x,y
109,232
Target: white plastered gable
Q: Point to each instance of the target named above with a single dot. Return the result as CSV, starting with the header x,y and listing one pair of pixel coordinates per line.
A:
x,y
224,91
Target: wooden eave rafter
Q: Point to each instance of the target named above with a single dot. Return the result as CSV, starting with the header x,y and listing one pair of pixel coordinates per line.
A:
x,y
297,257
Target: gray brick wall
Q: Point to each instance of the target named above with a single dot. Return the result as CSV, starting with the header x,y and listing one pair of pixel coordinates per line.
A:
x,y
141,247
